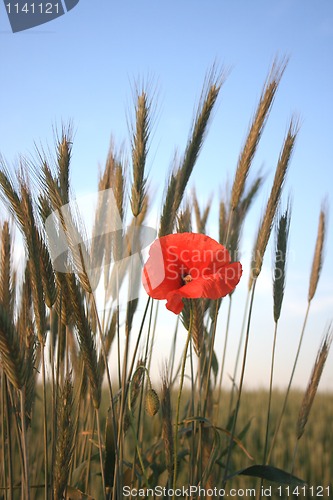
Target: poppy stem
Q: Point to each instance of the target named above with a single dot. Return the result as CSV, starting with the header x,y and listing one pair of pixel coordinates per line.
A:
x,y
233,429
211,351
223,360
240,343
182,375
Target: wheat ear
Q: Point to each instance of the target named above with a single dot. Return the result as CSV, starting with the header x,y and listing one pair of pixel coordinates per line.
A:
x,y
255,131
178,180
6,290
64,150
86,340
11,352
273,201
312,386
140,149
65,435
279,278
318,256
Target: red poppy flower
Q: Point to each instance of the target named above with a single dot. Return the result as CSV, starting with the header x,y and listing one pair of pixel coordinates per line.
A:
x,y
189,265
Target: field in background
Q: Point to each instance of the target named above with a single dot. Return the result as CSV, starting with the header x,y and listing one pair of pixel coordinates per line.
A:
x,y
314,461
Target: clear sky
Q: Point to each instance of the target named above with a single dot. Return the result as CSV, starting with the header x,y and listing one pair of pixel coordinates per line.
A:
x,y
83,67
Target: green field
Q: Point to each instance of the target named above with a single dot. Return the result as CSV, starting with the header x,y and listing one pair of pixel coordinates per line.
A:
x,y
313,464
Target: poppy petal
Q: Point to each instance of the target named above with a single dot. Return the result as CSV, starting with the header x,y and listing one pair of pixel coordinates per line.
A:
x,y
189,265
213,286
174,303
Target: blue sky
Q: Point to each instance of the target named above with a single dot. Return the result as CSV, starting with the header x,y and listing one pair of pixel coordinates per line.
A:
x,y
83,67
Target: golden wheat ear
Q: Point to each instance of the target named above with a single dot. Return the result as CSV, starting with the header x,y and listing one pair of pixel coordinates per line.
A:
x,y
64,153
11,351
85,339
255,131
140,149
179,179
318,256
273,201
6,272
313,384
65,438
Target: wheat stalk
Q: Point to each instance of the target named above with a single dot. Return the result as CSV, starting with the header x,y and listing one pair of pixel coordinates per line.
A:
x,y
6,287
64,442
86,341
140,149
178,180
64,151
273,201
222,222
237,220
279,278
313,383
255,131
11,351
167,433
72,229
32,240
9,194
317,262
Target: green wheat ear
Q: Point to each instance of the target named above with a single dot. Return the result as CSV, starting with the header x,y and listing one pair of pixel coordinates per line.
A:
x,y
279,278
